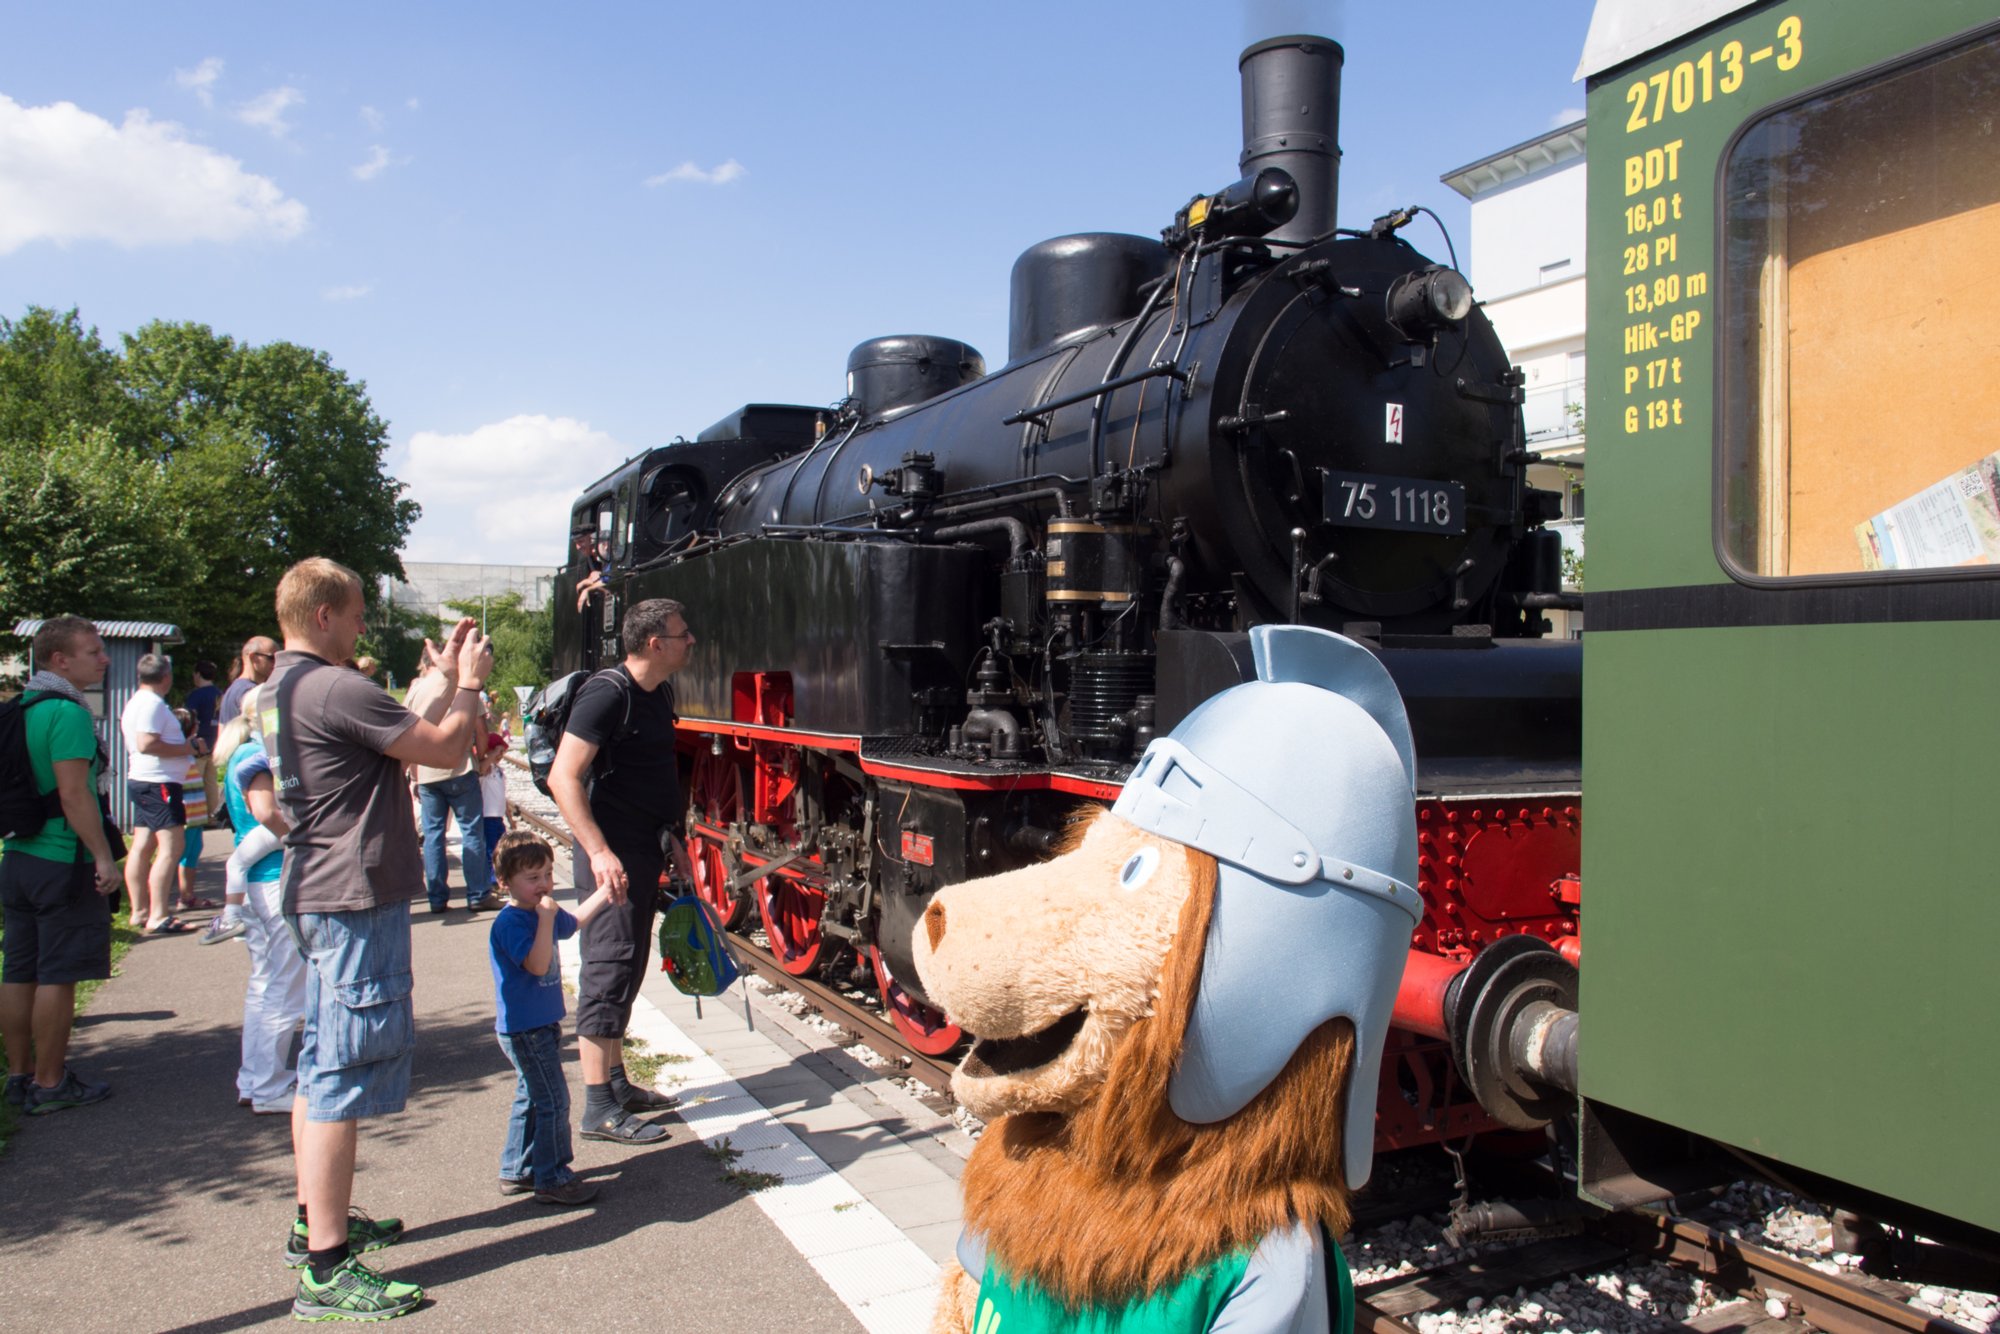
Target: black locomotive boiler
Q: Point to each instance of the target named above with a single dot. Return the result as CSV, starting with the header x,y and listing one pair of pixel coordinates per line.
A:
x,y
937,617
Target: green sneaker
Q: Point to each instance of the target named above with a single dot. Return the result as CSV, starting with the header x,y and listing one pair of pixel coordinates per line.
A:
x,y
353,1292
363,1234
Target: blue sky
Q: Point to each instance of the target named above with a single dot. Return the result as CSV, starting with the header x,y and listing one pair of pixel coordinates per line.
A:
x,y
549,237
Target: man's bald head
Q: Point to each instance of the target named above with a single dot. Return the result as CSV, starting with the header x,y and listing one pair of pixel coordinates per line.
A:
x,y
259,652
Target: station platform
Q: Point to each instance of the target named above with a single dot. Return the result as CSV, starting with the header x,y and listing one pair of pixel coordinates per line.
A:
x,y
166,1207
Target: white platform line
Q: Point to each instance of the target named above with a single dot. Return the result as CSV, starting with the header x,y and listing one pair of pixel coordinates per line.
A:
x,y
882,1276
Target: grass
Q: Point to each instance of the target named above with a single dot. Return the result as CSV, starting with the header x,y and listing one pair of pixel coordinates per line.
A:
x,y
122,938
725,1154
642,1063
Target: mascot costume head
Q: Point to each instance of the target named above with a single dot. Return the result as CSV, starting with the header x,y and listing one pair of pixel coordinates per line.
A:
x,y
1181,1018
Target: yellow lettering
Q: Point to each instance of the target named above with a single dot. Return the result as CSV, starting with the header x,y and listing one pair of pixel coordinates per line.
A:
x,y
1792,33
1631,377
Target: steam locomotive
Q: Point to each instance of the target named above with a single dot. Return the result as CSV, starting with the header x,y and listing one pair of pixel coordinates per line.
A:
x,y
939,617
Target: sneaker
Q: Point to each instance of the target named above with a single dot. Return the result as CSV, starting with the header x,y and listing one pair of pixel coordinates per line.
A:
x,y
353,1292
17,1090
573,1192
485,904
520,1185
72,1092
221,929
363,1234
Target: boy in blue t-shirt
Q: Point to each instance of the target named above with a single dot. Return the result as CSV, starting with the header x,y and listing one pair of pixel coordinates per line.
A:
x,y
527,983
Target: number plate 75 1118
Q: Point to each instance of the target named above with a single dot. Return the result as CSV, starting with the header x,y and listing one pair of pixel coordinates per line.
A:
x,y
1408,504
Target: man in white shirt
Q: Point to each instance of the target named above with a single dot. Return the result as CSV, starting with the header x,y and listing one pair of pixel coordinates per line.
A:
x,y
157,752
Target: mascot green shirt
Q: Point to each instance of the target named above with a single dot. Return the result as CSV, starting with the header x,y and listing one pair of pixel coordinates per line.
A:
x,y
1290,1284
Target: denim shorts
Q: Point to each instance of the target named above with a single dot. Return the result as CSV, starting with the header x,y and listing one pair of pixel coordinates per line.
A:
x,y
360,1024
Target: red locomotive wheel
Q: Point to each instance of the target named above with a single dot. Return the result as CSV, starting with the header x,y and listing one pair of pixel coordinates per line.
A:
x,y
715,801
922,1027
791,912
711,883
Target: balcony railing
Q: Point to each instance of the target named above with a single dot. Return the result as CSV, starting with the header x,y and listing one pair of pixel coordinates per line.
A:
x,y
1546,416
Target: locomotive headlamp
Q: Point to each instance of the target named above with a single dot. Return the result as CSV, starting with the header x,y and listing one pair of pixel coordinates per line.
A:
x,y
1253,206
1428,300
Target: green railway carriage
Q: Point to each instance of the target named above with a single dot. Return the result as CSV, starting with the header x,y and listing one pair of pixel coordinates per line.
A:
x,y
1792,701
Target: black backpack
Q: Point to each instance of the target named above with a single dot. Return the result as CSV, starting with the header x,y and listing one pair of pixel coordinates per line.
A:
x,y
24,808
547,716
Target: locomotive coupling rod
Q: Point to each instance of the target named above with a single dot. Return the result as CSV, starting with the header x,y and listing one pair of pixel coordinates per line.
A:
x,y
1166,368
738,883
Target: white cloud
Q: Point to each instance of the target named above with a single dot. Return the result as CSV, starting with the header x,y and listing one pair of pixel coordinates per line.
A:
x,y
347,292
68,175
1567,116
201,79
373,119
266,111
731,170
414,105
501,492
378,159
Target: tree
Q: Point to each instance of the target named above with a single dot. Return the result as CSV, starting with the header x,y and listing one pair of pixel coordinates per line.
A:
x,y
396,637
524,642
55,374
251,458
84,532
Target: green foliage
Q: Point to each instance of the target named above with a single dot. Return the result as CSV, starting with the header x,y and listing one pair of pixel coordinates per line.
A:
x,y
176,479
1572,570
85,528
524,642
396,637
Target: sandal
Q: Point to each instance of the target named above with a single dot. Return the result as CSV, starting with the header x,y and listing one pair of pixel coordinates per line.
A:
x,y
169,926
627,1129
649,1100
197,903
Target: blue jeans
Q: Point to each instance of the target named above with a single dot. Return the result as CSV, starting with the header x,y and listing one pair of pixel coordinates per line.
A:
x,y
360,1025
538,1128
458,797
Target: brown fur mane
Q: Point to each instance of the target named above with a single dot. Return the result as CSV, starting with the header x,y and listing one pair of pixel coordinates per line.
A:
x,y
1123,1197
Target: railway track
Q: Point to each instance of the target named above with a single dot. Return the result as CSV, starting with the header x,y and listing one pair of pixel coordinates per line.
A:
x,y
1776,1293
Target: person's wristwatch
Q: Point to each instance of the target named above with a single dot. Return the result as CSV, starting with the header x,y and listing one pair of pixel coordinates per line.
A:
x,y
475,689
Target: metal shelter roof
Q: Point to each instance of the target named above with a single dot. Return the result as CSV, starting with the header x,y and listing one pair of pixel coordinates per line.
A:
x,y
166,632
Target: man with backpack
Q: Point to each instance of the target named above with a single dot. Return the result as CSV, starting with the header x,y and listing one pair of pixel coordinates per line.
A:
x,y
617,783
58,868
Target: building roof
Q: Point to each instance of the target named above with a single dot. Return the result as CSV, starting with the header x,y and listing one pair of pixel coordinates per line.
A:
x,y
1560,145
164,631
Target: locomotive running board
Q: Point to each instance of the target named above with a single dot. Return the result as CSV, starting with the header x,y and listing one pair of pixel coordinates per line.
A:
x,y
896,760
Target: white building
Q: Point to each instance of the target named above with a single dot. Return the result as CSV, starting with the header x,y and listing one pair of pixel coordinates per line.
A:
x,y
1528,216
429,585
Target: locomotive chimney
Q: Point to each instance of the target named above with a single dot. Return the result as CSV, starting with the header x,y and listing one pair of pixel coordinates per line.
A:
x,y
1291,119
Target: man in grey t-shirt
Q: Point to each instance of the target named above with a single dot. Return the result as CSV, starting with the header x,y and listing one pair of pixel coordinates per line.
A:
x,y
338,745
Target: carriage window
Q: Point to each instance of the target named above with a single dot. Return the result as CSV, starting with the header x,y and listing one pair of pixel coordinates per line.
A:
x,y
1862,382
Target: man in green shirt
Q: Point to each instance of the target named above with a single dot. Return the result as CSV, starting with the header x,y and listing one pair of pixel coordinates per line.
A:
x,y
53,885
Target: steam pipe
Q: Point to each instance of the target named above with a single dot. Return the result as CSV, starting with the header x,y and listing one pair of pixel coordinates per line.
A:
x,y
1016,531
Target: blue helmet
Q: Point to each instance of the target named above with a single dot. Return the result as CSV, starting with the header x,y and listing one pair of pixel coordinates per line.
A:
x,y
1302,785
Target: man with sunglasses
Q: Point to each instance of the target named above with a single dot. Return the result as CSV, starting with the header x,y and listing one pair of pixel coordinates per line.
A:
x,y
260,654
616,781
